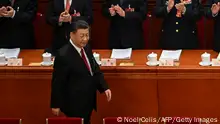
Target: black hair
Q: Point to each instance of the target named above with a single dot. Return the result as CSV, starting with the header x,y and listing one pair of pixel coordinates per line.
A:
x,y
80,24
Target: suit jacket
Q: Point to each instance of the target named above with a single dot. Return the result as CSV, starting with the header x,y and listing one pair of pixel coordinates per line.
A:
x,y
73,87
216,18
178,33
61,32
18,31
126,32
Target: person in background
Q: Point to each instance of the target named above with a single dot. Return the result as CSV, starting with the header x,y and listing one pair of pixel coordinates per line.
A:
x,y
126,21
60,15
179,28
16,18
77,76
212,11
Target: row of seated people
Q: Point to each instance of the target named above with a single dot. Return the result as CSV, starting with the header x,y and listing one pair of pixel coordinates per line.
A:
x,y
107,120
126,22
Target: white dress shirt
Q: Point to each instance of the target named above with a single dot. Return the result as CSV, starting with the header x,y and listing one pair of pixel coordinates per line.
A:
x,y
65,3
79,51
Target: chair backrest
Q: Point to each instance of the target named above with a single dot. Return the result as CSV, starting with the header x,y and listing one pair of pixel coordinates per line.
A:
x,y
64,120
182,120
10,121
121,120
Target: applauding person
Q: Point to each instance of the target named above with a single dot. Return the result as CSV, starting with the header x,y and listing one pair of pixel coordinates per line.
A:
x,y
60,14
126,18
16,17
213,12
179,29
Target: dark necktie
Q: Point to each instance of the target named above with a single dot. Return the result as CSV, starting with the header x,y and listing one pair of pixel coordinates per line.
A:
x,y
84,59
67,5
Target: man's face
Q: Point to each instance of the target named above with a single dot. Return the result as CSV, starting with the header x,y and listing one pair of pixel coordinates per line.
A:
x,y
80,38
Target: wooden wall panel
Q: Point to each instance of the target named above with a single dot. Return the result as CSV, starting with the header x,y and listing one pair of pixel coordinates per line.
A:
x,y
99,36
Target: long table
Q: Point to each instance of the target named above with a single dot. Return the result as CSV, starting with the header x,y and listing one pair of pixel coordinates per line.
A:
x,y
187,90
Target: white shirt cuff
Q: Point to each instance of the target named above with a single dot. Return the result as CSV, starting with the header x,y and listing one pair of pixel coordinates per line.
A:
x,y
60,23
214,15
184,11
168,10
13,14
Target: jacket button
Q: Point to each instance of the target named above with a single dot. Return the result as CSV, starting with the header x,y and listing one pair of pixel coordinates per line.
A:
x,y
177,30
177,23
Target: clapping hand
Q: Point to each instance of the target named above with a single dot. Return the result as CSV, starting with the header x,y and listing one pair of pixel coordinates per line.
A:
x,y
3,10
180,7
215,8
112,11
120,11
170,4
7,11
65,17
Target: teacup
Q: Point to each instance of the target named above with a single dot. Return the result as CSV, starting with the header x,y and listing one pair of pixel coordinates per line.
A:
x,y
97,57
47,58
205,58
152,58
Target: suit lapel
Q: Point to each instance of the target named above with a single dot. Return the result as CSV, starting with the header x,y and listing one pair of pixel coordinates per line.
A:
x,y
76,58
90,58
72,7
61,4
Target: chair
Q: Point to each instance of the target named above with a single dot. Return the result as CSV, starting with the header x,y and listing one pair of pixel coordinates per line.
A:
x,y
180,120
121,120
64,120
10,121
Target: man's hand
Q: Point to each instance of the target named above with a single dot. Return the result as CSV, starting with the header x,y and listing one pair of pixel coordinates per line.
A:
x,y
108,95
215,8
180,7
56,111
112,11
65,17
9,13
170,5
120,11
3,10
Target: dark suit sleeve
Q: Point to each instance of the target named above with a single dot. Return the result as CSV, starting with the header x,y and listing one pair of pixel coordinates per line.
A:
x,y
102,85
87,14
140,13
52,17
28,15
59,78
105,8
193,10
161,9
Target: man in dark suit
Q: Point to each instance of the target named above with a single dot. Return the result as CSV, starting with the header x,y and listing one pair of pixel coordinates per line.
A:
x,y
77,77
179,29
212,11
16,17
61,13
126,18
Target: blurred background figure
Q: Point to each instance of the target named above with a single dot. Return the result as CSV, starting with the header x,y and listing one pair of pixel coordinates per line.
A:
x,y
179,29
16,18
126,23
213,12
60,14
